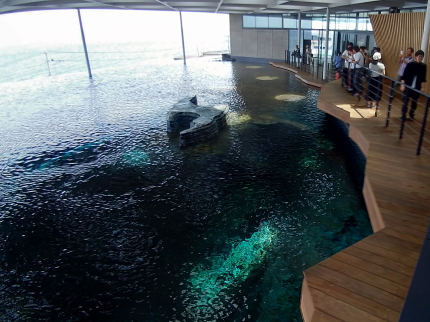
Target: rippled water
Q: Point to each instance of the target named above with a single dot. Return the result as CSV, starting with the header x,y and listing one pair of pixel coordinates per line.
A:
x,y
105,218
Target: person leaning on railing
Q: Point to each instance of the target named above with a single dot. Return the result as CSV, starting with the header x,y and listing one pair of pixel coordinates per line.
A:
x,y
415,77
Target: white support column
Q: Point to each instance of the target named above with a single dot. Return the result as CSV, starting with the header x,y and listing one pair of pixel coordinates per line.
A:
x,y
85,44
425,39
325,68
182,34
299,35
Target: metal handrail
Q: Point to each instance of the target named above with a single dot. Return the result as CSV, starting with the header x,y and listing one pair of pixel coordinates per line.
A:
x,y
405,100
314,70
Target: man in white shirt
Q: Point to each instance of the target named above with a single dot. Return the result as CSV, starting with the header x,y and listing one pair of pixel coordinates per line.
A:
x,y
356,69
346,55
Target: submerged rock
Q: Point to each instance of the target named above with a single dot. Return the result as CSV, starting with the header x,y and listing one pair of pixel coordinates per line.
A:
x,y
267,78
289,97
209,288
234,118
136,157
196,123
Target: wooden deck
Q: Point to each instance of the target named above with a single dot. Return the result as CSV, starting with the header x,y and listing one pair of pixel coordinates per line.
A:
x,y
369,281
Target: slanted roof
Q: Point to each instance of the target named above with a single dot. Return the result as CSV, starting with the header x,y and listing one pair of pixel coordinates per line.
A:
x,y
212,6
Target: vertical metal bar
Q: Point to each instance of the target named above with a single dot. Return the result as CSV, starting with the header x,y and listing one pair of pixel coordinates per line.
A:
x,y
404,110
85,44
423,127
47,61
299,31
318,55
325,68
182,35
285,58
390,99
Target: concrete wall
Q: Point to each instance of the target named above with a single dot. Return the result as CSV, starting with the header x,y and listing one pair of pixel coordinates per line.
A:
x,y
256,43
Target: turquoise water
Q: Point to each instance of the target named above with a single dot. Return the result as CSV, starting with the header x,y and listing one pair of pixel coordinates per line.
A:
x,y
105,218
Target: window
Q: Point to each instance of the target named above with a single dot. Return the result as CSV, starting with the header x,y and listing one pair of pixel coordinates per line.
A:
x,y
275,21
362,24
318,23
306,24
248,21
346,23
262,21
332,24
290,23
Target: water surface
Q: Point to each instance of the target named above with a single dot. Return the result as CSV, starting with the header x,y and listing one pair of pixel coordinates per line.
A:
x,y
105,218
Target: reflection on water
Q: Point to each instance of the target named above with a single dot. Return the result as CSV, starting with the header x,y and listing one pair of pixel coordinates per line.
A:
x,y
105,218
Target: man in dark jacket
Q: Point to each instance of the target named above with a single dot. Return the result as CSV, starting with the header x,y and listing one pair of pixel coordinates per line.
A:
x,y
415,77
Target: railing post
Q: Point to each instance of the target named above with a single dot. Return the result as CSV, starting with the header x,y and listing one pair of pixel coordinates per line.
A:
x,y
47,61
182,37
285,60
404,110
317,69
423,127
84,44
325,63
390,101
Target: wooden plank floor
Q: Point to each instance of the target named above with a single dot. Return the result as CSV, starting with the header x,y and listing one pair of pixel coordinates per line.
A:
x,y
369,281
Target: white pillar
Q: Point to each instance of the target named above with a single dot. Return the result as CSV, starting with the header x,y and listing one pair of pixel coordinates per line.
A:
x,y
299,36
425,39
182,34
325,68
85,44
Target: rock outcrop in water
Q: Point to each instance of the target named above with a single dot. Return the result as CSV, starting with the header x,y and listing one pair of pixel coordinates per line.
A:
x,y
196,123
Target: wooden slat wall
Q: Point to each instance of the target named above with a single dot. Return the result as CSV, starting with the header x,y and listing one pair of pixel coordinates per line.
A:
x,y
395,32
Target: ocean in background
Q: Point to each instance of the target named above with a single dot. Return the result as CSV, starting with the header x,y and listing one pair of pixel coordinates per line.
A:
x,y
26,63
43,43
105,218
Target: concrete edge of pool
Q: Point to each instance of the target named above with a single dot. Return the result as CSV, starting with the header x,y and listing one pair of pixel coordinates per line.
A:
x,y
369,280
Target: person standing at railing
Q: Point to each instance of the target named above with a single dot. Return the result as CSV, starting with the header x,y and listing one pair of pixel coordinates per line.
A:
x,y
296,54
415,77
376,68
338,62
367,59
403,61
308,55
346,55
356,69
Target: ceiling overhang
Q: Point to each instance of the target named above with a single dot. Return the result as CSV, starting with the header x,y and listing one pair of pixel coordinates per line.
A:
x,y
212,6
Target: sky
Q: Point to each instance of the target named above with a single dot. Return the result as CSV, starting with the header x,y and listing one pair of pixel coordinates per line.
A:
x,y
42,28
